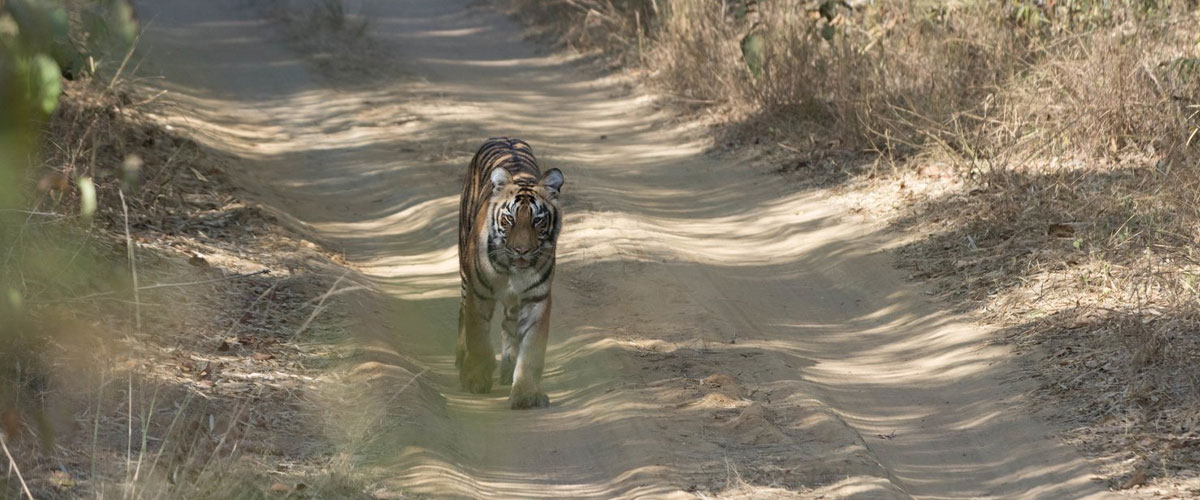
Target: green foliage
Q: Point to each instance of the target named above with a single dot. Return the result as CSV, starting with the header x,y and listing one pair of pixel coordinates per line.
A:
x,y
1076,15
753,47
38,43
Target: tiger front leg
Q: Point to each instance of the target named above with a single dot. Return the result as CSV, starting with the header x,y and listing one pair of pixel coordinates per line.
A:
x,y
474,356
533,326
510,343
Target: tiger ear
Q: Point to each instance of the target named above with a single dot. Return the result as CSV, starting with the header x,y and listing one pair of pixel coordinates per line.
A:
x,y
500,178
552,182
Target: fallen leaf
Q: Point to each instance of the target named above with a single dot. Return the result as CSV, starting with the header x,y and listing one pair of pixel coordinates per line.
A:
x,y
61,480
10,422
263,356
1138,479
280,488
223,347
1060,231
53,181
198,261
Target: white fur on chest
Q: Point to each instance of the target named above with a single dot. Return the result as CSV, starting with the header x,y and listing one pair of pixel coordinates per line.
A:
x,y
509,287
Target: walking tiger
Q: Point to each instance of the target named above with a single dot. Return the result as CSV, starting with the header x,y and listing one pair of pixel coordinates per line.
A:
x,y
508,227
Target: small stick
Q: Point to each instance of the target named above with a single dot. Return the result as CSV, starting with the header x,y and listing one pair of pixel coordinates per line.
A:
x,y
137,303
128,54
252,304
405,386
320,305
189,283
789,148
129,428
167,285
12,464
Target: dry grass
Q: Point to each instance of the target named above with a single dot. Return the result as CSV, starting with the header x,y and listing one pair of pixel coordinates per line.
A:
x,y
194,381
1046,151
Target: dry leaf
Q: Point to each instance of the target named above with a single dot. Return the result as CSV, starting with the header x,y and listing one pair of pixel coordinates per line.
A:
x,y
1060,231
10,422
263,356
61,480
1138,479
53,181
280,488
223,347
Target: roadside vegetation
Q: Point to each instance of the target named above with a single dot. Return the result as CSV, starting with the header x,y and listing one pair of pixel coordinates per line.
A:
x,y
159,335
1042,156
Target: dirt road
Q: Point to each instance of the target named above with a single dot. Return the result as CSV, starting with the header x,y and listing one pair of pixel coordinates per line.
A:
x,y
715,333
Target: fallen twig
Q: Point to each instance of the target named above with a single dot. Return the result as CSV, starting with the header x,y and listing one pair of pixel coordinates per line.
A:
x,y
168,285
137,303
12,465
321,304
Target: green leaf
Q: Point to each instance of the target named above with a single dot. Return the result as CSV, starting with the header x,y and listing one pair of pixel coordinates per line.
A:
x,y
15,301
827,32
45,85
87,197
43,24
754,52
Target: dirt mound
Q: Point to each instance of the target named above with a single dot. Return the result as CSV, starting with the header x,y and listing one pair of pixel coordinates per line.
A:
x,y
754,426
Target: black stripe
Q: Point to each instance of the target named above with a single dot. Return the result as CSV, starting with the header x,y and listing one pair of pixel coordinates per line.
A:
x,y
480,280
541,280
539,298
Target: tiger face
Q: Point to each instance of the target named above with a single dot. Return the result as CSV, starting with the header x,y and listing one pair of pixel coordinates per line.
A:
x,y
525,222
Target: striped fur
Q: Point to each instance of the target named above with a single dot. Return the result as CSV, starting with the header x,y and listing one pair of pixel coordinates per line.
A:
x,y
508,228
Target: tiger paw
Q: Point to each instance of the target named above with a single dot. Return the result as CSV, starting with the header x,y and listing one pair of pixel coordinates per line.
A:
x,y
528,401
476,377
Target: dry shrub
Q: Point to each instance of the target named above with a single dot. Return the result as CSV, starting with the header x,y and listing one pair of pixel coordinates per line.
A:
x,y
1073,127
988,83
616,28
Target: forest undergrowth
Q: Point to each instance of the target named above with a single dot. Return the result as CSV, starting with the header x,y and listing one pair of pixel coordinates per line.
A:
x,y
161,336
1039,160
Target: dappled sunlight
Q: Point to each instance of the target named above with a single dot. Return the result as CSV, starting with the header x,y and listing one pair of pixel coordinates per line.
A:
x,y
674,266
441,477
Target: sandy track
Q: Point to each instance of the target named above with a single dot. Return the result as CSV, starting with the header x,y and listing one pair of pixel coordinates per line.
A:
x,y
715,332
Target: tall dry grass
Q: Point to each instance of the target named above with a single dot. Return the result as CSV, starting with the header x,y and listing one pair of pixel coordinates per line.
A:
x,y
974,79
1070,130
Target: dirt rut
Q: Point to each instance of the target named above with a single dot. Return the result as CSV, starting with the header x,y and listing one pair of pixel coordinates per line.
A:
x,y
715,332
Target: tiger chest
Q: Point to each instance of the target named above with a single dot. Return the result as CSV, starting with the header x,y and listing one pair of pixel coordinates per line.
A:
x,y
520,285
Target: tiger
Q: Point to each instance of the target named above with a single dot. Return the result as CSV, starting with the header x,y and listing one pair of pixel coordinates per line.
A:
x,y
508,226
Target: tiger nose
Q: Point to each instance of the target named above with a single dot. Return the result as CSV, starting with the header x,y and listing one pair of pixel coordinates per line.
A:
x,y
521,249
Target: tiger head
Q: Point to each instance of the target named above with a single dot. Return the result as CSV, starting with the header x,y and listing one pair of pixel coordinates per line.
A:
x,y
524,218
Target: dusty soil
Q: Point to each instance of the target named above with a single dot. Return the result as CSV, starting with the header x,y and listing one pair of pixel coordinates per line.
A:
x,y
717,332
